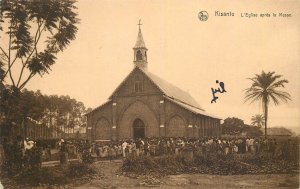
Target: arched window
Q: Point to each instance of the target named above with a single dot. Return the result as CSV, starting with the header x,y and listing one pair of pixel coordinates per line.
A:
x,y
103,130
139,55
138,84
176,127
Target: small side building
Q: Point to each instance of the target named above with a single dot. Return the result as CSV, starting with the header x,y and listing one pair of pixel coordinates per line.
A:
x,y
278,132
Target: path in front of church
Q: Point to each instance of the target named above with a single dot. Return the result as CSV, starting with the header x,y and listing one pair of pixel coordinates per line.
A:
x,y
113,179
109,176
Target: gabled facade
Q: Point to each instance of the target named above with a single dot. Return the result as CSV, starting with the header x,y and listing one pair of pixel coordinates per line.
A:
x,y
144,105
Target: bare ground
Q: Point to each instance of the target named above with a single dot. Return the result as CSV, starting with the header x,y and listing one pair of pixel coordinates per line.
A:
x,y
110,176
199,181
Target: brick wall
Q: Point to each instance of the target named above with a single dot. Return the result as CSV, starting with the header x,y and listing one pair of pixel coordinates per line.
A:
x,y
161,117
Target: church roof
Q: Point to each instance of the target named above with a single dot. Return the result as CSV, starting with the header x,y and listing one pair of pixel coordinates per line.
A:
x,y
140,41
191,108
172,91
98,107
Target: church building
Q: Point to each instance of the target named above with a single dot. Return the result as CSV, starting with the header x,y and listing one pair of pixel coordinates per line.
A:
x,y
144,105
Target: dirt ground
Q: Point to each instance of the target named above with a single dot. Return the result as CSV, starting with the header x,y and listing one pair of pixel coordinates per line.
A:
x,y
200,181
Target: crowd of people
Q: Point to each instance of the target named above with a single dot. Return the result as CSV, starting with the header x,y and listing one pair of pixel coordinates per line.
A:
x,y
169,146
30,154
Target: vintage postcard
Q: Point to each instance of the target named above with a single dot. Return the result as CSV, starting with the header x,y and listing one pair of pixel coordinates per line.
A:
x,y
161,94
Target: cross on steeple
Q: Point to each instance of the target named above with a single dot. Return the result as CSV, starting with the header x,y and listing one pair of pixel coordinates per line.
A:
x,y
140,24
140,50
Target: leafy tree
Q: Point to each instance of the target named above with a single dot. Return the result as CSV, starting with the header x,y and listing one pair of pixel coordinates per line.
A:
x,y
58,113
258,120
232,126
10,110
252,131
265,88
89,110
36,31
19,107
236,126
50,111
77,118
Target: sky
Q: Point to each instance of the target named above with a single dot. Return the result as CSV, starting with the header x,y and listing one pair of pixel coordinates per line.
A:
x,y
183,50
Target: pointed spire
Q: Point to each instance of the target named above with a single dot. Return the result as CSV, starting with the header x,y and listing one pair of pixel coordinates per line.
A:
x,y
140,51
140,41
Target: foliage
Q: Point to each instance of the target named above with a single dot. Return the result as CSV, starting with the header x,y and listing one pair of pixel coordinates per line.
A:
x,y
219,164
16,106
253,131
236,126
51,176
232,126
36,31
265,88
137,164
60,113
36,177
258,120
80,170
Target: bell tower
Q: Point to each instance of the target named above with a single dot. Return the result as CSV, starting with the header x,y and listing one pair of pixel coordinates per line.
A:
x,y
140,50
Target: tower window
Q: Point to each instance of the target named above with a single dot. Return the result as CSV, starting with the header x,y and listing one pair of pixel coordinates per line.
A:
x,y
139,55
138,86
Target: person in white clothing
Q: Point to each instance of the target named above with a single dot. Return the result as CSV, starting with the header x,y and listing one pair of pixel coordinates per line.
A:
x,y
124,145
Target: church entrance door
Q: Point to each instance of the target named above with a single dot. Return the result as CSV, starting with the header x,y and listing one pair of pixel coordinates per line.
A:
x,y
138,129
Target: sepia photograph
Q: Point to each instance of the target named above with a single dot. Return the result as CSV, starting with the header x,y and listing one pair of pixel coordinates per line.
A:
x,y
143,94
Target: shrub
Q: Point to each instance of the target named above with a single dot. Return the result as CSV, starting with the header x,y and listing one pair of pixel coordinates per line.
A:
x,y
209,164
80,170
55,175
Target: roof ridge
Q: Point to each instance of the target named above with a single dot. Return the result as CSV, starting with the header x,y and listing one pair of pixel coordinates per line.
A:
x,y
184,102
190,108
173,86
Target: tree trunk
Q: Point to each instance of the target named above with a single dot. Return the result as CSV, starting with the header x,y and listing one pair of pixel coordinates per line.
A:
x,y
266,118
25,128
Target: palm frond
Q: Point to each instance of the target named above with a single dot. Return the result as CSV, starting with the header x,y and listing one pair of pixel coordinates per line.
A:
x,y
258,120
279,84
255,96
263,88
280,95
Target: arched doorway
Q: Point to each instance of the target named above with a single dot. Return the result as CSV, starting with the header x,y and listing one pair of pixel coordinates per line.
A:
x,y
139,110
138,129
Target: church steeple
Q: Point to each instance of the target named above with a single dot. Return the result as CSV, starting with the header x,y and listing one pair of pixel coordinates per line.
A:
x,y
140,50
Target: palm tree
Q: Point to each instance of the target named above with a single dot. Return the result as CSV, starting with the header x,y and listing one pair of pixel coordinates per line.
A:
x,y
264,89
258,120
